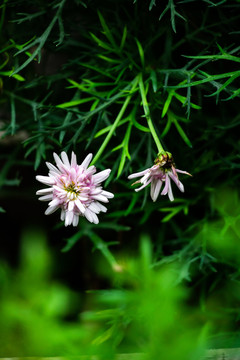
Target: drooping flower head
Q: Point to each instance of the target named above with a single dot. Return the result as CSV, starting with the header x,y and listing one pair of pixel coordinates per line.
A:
x,y
75,189
160,173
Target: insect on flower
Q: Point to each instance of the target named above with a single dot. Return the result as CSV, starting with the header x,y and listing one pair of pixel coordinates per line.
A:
x,y
75,189
163,171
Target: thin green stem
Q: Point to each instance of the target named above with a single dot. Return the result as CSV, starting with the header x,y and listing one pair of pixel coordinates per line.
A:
x,y
147,114
115,124
103,247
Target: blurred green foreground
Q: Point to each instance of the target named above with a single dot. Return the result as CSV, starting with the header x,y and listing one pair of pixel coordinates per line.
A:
x,y
150,308
145,311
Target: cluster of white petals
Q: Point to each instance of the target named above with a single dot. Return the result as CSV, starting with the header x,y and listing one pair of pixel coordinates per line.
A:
x,y
75,189
158,175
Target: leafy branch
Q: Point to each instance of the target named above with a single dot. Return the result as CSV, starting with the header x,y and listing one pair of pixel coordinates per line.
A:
x,y
40,41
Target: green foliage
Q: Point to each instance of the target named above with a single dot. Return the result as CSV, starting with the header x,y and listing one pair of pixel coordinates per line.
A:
x,y
129,318
98,243
124,80
33,306
149,314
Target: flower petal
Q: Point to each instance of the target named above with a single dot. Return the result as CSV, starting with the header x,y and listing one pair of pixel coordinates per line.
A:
x,y
54,202
75,220
144,185
53,168
58,161
94,207
65,160
165,189
183,172
170,194
80,206
95,218
46,197
101,176
68,218
91,216
51,210
86,161
47,180
88,215
155,189
132,176
90,171
73,160
145,178
100,197
108,194
100,206
44,191
71,205
177,181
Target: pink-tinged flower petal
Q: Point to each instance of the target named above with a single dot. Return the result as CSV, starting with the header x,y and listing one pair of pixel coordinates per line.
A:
x,y
51,210
96,191
155,189
95,218
100,197
92,217
46,197
132,176
45,180
65,160
155,168
65,169
75,220
103,175
108,194
58,161
62,167
83,198
58,189
88,215
71,205
152,189
54,202
170,194
80,206
86,161
182,172
90,171
144,185
101,206
165,189
68,218
44,191
73,160
94,208
145,178
53,168
73,175
177,181
86,189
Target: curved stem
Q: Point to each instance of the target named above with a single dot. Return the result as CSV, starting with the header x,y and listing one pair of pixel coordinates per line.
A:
x,y
147,114
115,124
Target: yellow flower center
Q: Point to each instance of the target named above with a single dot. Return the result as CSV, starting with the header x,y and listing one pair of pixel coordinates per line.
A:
x,y
72,191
